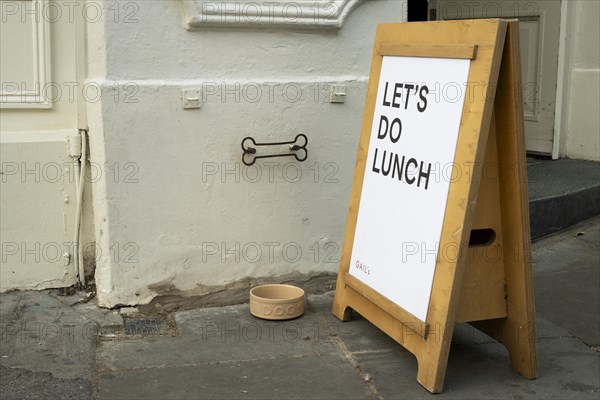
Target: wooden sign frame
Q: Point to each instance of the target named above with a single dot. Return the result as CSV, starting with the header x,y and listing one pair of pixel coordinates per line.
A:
x,y
494,294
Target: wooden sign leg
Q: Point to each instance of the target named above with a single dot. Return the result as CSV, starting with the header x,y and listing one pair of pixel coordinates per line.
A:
x,y
431,353
517,330
433,361
341,307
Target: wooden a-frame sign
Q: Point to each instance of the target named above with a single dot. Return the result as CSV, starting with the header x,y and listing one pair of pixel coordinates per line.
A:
x,y
478,270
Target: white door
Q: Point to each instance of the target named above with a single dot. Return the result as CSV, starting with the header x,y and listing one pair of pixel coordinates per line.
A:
x,y
539,23
39,100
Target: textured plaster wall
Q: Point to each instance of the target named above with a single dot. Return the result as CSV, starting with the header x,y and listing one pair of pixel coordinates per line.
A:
x,y
583,140
175,211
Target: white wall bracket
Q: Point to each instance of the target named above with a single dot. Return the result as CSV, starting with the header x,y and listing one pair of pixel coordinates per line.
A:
x,y
191,98
337,94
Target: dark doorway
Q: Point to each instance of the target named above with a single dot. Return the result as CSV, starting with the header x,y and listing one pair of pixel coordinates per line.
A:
x,y
417,10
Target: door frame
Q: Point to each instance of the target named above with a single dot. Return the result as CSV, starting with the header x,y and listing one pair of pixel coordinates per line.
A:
x,y
563,82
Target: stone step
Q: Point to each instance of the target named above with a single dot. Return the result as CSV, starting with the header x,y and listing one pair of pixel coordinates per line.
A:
x,y
561,193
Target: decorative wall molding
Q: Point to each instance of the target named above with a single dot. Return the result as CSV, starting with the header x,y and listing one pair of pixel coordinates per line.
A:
x,y
37,92
287,14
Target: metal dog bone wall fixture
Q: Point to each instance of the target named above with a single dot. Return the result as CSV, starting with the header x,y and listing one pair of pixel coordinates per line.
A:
x,y
297,149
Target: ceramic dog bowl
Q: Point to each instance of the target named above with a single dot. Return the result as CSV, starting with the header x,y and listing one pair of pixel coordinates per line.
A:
x,y
276,302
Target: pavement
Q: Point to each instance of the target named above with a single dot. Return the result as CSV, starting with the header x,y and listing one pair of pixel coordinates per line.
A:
x,y
55,346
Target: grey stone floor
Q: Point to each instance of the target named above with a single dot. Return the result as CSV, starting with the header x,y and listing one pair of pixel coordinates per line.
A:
x,y
52,348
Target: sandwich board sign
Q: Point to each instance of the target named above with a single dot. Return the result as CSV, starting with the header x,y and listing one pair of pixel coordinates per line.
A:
x,y
438,224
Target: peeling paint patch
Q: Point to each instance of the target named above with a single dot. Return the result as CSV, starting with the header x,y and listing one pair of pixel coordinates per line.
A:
x,y
172,299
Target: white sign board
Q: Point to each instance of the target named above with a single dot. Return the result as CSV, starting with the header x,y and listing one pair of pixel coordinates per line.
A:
x,y
408,172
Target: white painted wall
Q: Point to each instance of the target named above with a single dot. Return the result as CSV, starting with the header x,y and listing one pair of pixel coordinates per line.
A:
x,y
40,100
582,137
169,217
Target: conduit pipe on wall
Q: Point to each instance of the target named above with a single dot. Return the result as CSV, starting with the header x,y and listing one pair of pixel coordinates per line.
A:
x,y
78,216
78,151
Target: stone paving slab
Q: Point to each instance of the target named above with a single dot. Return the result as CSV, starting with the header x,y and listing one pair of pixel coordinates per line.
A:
x,y
48,345
567,280
568,370
478,366
311,377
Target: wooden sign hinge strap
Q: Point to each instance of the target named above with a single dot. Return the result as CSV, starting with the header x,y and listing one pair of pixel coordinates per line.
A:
x,y
463,51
